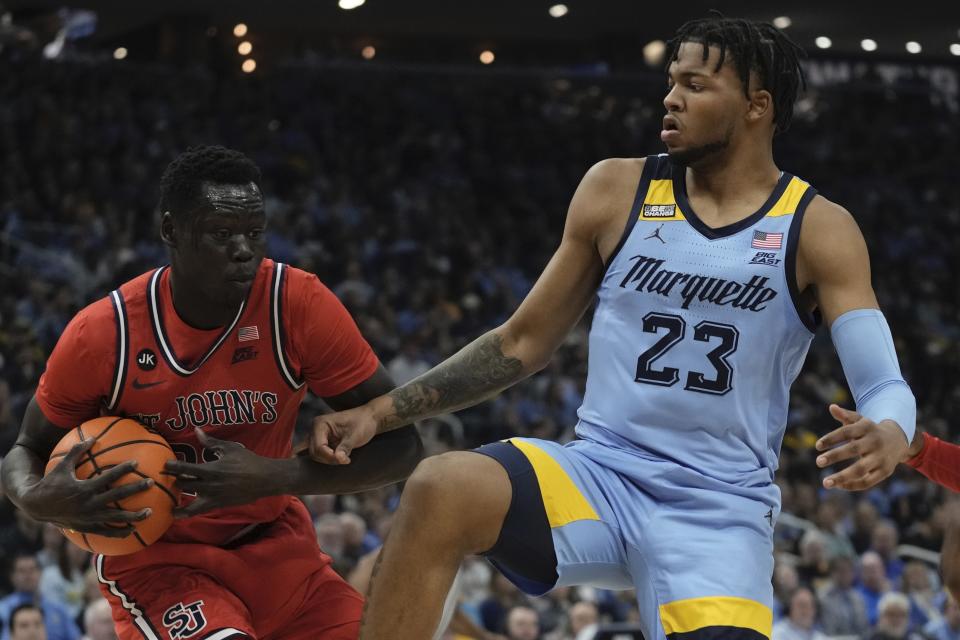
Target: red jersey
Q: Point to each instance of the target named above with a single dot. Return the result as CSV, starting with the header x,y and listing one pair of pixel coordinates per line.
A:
x,y
939,461
130,354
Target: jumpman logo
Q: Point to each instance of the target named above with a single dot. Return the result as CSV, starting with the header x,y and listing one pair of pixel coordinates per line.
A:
x,y
769,517
656,234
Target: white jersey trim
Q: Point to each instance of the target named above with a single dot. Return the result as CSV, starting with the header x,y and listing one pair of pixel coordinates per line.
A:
x,y
122,341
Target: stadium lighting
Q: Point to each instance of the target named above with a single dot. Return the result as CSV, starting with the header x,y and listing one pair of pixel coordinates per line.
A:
x,y
244,48
914,47
240,30
782,22
868,44
119,53
249,65
487,57
955,48
368,52
558,10
653,52
823,42
347,5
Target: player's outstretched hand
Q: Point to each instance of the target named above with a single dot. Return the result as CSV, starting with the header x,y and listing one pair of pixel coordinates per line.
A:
x,y
335,435
877,447
85,505
238,476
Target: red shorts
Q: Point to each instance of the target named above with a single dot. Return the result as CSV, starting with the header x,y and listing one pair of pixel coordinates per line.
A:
x,y
273,584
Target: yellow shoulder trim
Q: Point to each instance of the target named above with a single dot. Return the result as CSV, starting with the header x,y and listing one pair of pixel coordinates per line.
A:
x,y
659,204
682,616
562,499
787,204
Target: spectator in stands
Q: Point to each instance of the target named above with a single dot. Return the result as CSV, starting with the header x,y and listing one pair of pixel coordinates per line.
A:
x,y
873,583
523,623
831,513
583,618
785,582
865,518
25,577
26,623
801,620
65,581
356,542
22,535
893,621
843,611
503,596
98,621
918,585
49,554
948,627
884,542
814,566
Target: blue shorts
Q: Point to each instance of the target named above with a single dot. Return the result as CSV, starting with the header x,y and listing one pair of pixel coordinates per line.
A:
x,y
700,559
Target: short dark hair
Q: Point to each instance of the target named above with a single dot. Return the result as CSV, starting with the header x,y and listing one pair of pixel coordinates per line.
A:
x,y
180,183
753,47
19,555
22,607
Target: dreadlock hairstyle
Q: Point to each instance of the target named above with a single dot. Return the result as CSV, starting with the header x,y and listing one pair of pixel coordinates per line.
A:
x,y
181,181
753,47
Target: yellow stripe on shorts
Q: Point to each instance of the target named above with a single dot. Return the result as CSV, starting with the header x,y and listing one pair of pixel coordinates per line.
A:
x,y
562,500
683,616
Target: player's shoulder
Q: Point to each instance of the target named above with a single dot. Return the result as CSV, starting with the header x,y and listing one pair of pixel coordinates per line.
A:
x,y
612,172
827,220
299,281
607,187
97,312
304,291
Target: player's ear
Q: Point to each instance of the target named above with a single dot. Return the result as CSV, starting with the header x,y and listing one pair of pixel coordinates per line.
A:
x,y
168,230
760,106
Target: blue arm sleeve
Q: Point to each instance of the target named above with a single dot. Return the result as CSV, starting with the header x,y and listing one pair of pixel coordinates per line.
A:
x,y
863,342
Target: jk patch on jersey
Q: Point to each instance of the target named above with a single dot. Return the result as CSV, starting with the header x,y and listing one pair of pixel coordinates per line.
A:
x,y
659,210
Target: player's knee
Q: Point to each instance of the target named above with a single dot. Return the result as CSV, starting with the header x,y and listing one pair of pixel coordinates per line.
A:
x,y
463,495
434,484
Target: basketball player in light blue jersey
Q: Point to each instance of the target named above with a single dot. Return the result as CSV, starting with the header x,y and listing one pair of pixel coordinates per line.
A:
x,y
713,268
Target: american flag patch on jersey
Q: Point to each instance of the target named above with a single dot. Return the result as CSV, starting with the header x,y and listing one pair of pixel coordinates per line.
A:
x,y
764,240
248,333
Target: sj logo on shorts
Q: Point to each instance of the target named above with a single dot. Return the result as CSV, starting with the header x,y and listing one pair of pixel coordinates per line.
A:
x,y
184,620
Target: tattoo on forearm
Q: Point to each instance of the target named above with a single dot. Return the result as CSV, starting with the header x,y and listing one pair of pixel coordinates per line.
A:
x,y
474,374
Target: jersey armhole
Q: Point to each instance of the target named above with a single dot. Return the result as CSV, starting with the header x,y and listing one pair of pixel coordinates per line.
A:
x,y
122,349
811,320
278,334
649,169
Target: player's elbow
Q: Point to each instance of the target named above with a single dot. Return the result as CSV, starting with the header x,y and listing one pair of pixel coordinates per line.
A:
x,y
526,345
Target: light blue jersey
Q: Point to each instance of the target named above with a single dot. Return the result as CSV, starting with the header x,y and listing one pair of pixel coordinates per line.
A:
x,y
698,335
669,489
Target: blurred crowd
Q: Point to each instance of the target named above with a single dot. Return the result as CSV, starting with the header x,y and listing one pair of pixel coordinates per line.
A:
x,y
429,203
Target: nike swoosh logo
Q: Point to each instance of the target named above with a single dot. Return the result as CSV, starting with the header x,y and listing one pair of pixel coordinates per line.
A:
x,y
145,385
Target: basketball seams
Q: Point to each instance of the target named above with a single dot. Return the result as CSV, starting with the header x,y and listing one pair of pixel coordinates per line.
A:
x,y
93,464
129,442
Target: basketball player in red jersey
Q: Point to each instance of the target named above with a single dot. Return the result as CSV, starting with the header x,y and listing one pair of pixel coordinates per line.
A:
x,y
215,352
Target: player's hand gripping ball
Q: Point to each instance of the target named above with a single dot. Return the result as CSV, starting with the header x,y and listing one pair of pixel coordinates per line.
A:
x,y
118,440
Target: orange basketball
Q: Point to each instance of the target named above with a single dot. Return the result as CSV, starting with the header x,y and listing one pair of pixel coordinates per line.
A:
x,y
118,440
